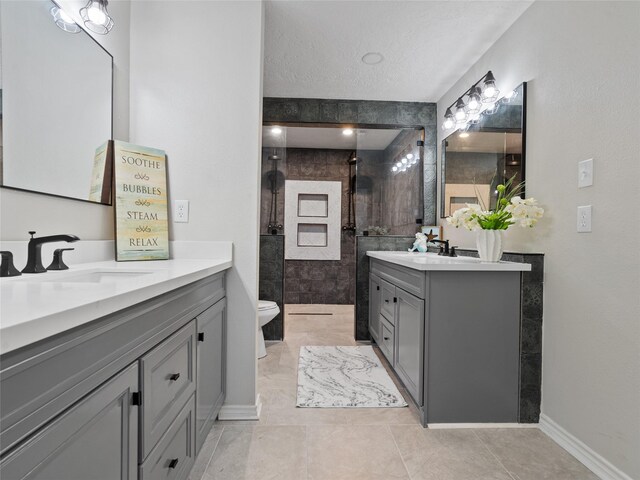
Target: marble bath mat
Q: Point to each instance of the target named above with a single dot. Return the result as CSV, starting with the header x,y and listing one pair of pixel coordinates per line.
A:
x,y
334,377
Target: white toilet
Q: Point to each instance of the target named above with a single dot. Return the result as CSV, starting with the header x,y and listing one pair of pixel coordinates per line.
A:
x,y
267,311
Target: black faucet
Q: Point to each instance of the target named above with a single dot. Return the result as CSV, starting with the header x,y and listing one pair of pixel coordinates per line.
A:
x,y
34,260
445,251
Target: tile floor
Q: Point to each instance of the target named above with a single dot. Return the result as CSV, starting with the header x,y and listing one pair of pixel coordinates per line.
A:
x,y
290,443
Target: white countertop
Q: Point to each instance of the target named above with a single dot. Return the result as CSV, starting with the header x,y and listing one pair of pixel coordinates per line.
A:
x,y
432,261
37,306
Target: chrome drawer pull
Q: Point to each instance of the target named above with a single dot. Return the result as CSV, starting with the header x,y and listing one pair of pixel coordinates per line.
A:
x,y
174,377
173,463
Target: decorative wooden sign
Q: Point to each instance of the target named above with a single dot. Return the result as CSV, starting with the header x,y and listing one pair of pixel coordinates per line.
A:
x,y
100,190
141,217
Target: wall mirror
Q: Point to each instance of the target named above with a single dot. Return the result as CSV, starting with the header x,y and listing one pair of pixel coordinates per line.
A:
x,y
476,159
56,105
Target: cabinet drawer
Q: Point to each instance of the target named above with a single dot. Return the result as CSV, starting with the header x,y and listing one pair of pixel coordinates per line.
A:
x,y
387,301
387,340
174,455
168,380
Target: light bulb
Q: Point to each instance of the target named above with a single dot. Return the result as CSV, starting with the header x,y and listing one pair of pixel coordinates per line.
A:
x,y
461,113
509,95
409,156
489,91
394,169
449,120
96,15
404,160
399,164
414,161
475,101
347,132
276,131
403,168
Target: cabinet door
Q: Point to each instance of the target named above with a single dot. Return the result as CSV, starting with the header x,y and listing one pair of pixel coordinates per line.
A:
x,y
374,307
409,330
210,368
387,301
97,439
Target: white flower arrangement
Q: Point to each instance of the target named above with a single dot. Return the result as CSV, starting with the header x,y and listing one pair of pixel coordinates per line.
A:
x,y
510,209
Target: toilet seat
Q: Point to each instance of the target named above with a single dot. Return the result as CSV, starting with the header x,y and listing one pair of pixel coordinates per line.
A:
x,y
266,305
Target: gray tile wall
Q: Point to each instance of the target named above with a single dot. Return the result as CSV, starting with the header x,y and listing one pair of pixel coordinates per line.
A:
x,y
365,113
271,286
314,281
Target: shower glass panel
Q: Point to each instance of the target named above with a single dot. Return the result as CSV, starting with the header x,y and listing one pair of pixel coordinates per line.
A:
x,y
389,181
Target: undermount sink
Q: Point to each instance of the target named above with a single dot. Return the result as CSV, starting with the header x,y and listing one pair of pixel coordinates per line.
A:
x,y
100,276
86,276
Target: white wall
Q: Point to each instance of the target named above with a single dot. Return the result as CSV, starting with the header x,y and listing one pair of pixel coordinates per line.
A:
x,y
196,91
23,211
582,63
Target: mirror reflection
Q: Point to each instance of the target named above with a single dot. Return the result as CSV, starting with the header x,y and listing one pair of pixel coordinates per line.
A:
x,y
477,159
56,104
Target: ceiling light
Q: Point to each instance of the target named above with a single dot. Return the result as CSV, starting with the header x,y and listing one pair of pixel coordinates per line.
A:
x,y
489,91
276,131
463,135
347,132
96,17
63,20
372,58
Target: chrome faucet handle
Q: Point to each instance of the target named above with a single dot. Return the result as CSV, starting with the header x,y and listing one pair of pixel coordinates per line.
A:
x,y
7,268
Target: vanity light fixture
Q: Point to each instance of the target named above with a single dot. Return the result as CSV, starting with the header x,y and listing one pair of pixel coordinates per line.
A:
x,y
480,101
63,20
347,132
96,17
276,131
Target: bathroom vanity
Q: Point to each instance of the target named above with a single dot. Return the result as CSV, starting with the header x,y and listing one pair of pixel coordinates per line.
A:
x,y
450,328
111,368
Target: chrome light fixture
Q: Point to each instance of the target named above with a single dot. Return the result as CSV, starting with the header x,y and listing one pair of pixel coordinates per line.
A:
x,y
63,20
96,17
449,120
461,112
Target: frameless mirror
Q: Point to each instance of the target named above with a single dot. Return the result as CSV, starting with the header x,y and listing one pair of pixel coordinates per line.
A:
x,y
56,105
476,160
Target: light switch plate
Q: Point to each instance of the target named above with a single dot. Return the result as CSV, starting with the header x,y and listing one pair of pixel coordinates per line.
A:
x,y
584,219
585,173
181,211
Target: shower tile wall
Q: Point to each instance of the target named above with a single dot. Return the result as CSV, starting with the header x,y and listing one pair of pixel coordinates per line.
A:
x,y
313,281
364,113
272,281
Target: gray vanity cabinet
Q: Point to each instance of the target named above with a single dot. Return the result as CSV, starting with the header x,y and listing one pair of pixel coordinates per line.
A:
x,y
409,334
97,439
209,367
375,295
116,398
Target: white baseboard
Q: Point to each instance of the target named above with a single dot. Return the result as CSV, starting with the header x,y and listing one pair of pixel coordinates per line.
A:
x,y
436,426
241,412
588,457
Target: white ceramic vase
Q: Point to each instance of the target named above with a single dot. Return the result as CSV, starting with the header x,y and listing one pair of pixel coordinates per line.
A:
x,y
489,243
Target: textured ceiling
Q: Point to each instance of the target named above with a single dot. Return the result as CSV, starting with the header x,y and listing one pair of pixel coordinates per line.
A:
x,y
313,48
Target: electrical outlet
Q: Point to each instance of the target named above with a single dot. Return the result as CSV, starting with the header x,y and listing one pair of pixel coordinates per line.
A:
x,y
181,211
585,173
584,219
